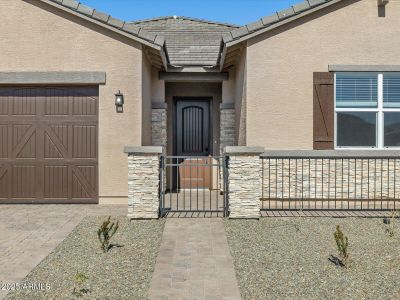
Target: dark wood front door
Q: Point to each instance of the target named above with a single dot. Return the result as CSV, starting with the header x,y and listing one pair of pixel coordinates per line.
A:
x,y
193,140
193,128
48,145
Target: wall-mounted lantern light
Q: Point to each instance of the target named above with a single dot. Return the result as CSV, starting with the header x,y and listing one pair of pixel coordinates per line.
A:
x,y
119,101
382,2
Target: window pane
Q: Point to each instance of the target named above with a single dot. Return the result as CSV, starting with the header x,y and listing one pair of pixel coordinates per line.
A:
x,y
356,90
356,129
391,90
392,129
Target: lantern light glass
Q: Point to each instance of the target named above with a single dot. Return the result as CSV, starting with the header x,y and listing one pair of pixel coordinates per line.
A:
x,y
119,99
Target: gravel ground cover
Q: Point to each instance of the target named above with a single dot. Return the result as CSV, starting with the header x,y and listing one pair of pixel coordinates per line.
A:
x,y
123,273
287,258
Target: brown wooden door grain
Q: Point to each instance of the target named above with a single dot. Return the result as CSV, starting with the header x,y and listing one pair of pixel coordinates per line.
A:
x,y
49,145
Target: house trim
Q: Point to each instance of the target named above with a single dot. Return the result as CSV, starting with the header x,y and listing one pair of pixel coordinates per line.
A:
x,y
191,77
364,68
52,78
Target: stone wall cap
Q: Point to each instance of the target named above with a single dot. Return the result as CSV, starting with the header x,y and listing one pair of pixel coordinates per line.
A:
x,y
227,105
143,149
242,150
331,154
159,105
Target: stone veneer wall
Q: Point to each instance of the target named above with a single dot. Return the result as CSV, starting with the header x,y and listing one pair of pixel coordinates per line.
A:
x,y
227,134
339,178
159,127
244,181
143,182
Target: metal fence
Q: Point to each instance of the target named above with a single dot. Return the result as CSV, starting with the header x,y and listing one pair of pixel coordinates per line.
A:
x,y
193,184
330,180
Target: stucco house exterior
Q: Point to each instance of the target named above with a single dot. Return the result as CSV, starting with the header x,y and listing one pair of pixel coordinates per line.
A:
x,y
77,86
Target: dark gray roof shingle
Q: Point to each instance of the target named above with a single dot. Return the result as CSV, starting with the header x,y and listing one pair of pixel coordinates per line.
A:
x,y
189,42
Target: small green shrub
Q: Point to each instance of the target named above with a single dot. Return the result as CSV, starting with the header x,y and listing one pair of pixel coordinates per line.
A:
x,y
79,280
106,232
342,244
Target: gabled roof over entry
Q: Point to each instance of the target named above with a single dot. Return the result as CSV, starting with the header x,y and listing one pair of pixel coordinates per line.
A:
x,y
189,42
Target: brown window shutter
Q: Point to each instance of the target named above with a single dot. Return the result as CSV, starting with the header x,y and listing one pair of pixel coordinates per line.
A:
x,y
324,110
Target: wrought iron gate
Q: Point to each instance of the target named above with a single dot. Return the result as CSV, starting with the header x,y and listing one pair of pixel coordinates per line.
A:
x,y
193,184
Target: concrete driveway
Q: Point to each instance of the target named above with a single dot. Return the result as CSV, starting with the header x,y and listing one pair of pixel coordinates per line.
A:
x,y
28,233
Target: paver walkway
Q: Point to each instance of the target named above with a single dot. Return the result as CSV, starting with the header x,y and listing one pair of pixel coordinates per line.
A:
x,y
28,233
194,262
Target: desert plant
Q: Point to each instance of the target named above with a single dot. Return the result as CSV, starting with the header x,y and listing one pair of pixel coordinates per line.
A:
x,y
390,222
342,244
79,280
106,232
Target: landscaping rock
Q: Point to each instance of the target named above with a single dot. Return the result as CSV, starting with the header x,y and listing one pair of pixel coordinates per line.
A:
x,y
287,258
122,273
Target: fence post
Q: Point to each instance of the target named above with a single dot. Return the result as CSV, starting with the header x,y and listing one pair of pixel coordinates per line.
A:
x,y
143,182
244,181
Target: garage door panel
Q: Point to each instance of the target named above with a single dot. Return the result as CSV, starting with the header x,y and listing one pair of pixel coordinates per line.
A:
x,y
4,141
89,173
83,187
27,146
61,132
4,182
50,149
24,185
57,102
84,106
3,105
24,102
48,142
53,147
86,133
56,182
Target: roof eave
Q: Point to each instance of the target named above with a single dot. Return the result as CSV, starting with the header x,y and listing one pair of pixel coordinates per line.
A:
x,y
280,23
156,44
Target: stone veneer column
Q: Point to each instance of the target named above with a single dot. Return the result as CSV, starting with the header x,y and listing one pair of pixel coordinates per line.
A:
x,y
227,128
244,181
159,124
143,182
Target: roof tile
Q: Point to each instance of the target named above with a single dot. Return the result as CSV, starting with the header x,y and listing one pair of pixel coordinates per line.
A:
x,y
227,36
115,22
100,16
159,40
255,25
131,28
283,14
84,9
239,32
147,35
301,6
270,19
71,3
316,2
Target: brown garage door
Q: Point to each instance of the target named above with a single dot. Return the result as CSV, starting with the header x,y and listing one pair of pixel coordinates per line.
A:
x,y
48,145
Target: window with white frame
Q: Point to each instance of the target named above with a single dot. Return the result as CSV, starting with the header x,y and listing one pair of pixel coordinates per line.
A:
x,y
367,110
